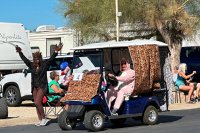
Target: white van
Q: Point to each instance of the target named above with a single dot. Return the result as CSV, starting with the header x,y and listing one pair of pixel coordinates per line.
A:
x,y
12,34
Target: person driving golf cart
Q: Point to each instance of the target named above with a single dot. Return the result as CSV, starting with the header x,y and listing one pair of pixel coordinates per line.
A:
x,y
126,82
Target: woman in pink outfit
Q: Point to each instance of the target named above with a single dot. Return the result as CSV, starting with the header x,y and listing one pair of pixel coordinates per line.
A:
x,y
125,86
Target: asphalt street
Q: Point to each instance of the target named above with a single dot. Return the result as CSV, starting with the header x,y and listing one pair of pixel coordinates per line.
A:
x,y
182,121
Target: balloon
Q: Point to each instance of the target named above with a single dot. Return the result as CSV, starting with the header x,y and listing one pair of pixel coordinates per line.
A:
x,y
63,65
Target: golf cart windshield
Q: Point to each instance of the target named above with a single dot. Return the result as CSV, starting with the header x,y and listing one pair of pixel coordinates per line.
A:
x,y
86,63
86,71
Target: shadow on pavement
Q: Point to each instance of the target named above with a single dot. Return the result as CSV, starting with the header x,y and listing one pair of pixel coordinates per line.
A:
x,y
12,117
52,120
168,118
132,123
29,104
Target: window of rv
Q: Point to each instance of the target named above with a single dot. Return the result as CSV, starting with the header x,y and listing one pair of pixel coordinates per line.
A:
x,y
35,49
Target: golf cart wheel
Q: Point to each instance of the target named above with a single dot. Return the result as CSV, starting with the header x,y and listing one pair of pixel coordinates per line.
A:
x,y
13,96
94,120
150,116
65,123
3,108
118,122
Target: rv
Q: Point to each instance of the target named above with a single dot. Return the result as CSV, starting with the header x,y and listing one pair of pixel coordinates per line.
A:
x,y
45,38
11,35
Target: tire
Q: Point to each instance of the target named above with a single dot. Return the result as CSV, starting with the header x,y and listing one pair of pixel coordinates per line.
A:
x,y
65,123
3,108
13,96
118,122
94,120
150,116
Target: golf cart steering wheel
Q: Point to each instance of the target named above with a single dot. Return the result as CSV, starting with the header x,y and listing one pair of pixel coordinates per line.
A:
x,y
111,81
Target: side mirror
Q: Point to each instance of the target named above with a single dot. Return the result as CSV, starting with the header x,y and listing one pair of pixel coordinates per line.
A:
x,y
26,71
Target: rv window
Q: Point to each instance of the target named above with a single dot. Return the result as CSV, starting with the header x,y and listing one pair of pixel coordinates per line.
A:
x,y
52,49
35,49
51,43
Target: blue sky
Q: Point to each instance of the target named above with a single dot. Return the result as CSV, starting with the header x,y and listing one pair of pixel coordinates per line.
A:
x,y
31,13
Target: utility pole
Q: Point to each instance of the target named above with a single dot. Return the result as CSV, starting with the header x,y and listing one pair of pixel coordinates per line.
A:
x,y
117,20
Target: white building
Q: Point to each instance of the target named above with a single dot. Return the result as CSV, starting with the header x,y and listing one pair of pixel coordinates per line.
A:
x,y
46,37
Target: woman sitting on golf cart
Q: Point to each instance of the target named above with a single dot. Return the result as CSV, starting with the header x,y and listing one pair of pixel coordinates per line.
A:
x,y
124,87
54,86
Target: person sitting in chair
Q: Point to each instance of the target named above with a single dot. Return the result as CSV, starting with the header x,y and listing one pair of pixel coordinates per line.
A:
x,y
54,86
124,87
181,81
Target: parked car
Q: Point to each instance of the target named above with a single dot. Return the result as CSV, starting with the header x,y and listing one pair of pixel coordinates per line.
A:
x,y
17,87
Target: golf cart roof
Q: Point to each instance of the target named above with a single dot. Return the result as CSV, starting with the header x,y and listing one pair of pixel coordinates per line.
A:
x,y
60,56
113,44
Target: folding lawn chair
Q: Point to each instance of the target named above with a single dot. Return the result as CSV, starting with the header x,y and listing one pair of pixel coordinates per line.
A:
x,y
53,108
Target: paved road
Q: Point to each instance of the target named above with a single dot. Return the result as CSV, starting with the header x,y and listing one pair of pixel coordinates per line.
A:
x,y
183,121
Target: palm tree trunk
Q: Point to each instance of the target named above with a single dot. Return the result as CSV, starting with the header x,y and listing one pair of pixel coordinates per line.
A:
x,y
175,51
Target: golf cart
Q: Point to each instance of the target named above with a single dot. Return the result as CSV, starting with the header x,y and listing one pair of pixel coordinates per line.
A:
x,y
86,92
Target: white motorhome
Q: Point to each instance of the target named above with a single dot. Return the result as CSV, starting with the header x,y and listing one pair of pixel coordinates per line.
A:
x,y
46,37
12,34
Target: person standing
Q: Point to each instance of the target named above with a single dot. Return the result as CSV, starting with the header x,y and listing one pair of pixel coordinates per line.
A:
x,y
39,81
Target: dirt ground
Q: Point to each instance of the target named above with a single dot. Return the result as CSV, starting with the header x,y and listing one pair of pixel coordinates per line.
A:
x,y
23,115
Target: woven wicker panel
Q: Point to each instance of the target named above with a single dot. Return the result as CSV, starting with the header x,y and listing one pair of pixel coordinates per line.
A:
x,y
85,89
147,67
